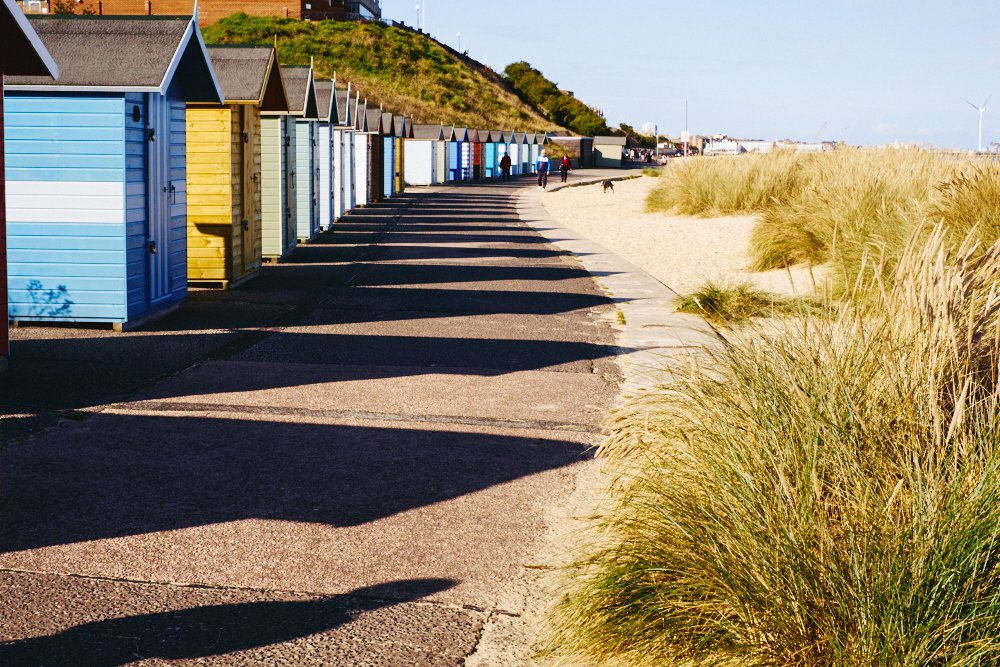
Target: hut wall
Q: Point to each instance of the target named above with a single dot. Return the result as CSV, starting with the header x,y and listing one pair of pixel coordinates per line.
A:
x,y
66,215
211,187
305,181
327,174
359,173
418,165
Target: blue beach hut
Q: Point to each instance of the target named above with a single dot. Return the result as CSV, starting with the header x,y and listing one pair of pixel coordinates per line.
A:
x,y
23,53
325,166
456,150
96,169
388,155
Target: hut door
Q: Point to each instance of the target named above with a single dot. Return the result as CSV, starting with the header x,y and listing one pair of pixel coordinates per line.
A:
x,y
250,181
159,197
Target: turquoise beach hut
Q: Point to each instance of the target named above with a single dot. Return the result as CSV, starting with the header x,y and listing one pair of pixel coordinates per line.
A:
x,y
302,104
96,169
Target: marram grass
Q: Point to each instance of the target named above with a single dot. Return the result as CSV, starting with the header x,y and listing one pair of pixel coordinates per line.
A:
x,y
837,207
824,495
735,303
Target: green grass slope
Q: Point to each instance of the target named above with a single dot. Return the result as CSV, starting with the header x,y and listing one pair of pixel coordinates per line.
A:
x,y
403,70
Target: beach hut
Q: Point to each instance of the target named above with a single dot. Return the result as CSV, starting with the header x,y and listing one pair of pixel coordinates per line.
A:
x,y
609,152
23,54
277,176
388,155
223,163
534,151
342,146
403,127
456,151
300,85
421,162
441,174
361,185
96,169
491,154
376,153
514,151
477,141
523,153
328,117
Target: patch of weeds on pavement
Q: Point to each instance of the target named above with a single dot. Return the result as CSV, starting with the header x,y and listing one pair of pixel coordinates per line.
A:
x,y
621,317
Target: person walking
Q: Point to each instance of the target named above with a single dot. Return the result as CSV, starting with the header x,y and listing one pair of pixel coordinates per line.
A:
x,y
505,167
564,168
543,170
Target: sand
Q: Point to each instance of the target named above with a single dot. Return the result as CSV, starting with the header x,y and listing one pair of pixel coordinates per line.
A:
x,y
681,252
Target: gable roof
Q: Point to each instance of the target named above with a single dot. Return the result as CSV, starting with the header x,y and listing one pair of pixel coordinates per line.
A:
x,y
495,137
474,136
301,90
124,54
342,98
324,101
374,118
23,52
249,75
428,132
459,134
388,125
399,126
519,138
361,115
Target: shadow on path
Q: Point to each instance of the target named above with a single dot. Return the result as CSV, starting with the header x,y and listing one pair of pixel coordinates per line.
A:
x,y
208,631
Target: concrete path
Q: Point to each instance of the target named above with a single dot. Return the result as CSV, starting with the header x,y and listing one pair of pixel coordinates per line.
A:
x,y
350,460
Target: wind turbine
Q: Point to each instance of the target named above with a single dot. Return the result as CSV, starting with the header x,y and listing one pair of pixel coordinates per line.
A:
x,y
979,146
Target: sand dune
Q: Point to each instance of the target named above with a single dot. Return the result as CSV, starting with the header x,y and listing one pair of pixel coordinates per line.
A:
x,y
681,252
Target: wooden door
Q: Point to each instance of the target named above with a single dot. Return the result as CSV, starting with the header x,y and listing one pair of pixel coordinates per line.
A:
x,y
251,184
159,193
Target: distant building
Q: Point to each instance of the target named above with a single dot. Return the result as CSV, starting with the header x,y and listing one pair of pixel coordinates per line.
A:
x,y
648,129
210,11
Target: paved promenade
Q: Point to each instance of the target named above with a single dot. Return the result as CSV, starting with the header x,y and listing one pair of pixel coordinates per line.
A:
x,y
352,459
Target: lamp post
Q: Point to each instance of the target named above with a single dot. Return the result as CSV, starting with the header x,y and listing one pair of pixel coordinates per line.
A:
x,y
459,42
419,27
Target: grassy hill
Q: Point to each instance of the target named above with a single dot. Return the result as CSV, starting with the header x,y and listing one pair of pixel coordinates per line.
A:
x,y
559,107
403,70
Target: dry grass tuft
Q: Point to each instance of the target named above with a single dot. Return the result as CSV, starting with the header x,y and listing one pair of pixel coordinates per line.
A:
x,y
825,495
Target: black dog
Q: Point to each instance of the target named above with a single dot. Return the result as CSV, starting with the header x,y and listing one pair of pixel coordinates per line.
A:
x,y
608,185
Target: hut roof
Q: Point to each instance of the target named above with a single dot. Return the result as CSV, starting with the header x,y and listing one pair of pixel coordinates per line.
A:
x,y
388,126
399,126
249,74
343,99
324,101
361,117
116,53
610,141
459,134
374,117
23,52
429,132
301,90
519,137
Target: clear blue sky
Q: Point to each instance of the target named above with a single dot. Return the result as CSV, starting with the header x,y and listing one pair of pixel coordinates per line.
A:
x,y
875,71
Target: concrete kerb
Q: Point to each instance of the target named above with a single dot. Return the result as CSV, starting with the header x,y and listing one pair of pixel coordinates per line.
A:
x,y
655,338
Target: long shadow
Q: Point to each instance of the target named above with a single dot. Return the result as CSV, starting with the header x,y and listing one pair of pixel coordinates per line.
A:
x,y
120,475
463,302
414,274
209,631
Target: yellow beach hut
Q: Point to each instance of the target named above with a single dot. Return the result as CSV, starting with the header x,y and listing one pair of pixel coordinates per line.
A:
x,y
223,166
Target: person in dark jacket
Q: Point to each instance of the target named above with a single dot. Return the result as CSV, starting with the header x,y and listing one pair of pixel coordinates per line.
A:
x,y
543,170
505,167
564,168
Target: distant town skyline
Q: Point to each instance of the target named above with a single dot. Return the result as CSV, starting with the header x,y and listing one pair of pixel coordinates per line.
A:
x,y
862,71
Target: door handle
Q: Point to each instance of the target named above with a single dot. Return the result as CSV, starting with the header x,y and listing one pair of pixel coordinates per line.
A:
x,y
151,245
246,225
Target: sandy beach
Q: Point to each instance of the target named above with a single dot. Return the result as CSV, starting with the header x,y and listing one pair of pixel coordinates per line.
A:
x,y
681,252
